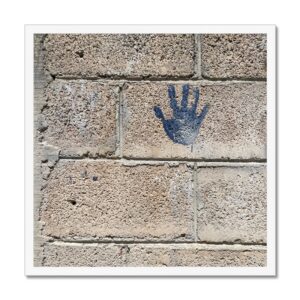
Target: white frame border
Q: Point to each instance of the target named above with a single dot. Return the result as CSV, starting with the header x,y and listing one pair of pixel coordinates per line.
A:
x,y
270,270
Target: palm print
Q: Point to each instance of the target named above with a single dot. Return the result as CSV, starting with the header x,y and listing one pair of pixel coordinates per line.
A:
x,y
184,127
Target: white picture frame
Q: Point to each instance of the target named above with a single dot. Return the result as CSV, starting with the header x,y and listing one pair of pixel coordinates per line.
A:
x,y
269,270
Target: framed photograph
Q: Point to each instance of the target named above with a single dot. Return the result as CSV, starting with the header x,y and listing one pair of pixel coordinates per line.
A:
x,y
150,150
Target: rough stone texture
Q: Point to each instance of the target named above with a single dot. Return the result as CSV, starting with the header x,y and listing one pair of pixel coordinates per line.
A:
x,y
232,204
234,127
131,55
234,55
152,255
104,195
96,200
80,117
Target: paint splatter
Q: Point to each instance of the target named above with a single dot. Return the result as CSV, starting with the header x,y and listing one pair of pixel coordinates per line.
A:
x,y
184,127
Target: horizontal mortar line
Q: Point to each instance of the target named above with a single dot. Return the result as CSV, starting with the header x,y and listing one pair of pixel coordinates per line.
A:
x,y
258,79
202,162
124,78
164,79
158,242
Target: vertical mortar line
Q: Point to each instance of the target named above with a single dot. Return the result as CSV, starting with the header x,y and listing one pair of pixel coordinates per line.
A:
x,y
197,66
195,193
120,122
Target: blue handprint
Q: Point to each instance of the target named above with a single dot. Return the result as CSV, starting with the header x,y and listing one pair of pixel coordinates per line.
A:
x,y
184,127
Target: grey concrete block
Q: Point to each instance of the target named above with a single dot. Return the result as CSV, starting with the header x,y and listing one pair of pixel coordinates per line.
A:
x,y
81,117
232,204
234,56
153,255
131,55
234,127
108,200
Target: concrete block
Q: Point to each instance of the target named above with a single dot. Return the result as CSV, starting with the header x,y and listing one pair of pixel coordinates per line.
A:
x,y
131,55
233,128
153,255
234,56
109,200
232,204
81,117
84,255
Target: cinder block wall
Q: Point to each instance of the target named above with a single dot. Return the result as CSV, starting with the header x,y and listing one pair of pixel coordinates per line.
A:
x,y
112,188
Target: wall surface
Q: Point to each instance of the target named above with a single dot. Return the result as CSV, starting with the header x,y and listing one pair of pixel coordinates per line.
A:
x,y
150,150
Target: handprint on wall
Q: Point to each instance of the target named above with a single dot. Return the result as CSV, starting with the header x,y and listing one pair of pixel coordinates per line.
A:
x,y
184,127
